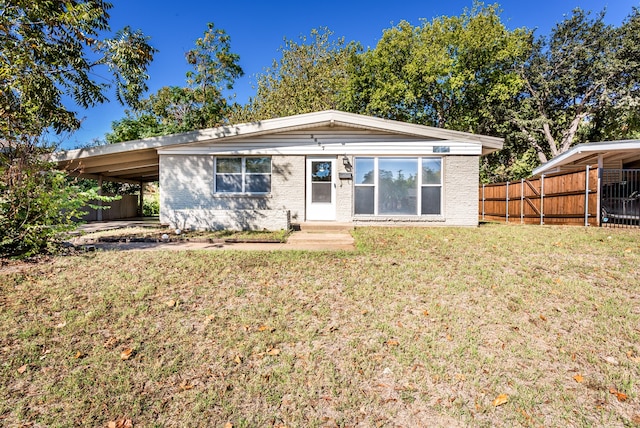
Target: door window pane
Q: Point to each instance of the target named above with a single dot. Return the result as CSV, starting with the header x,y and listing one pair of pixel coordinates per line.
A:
x,y
321,192
321,171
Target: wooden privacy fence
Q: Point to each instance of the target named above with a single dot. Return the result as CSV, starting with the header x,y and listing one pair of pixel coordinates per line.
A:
x,y
563,198
125,207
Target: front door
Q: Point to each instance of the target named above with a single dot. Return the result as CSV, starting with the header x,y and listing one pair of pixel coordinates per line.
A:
x,y
321,189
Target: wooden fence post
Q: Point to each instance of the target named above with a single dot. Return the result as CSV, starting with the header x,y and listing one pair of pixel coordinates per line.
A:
x,y
542,199
522,201
506,215
483,202
586,199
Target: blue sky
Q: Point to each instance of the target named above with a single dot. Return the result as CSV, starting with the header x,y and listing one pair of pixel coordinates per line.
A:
x,y
257,30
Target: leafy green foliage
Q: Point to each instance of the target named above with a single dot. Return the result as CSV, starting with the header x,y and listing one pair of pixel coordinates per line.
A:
x,y
151,205
310,76
451,72
201,104
579,83
37,203
47,50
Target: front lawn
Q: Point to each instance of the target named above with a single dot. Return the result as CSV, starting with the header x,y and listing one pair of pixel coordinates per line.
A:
x,y
494,326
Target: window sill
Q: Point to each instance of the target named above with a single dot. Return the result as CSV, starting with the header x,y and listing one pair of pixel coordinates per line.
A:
x,y
399,218
241,195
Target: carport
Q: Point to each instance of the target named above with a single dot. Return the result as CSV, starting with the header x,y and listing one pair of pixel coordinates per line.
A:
x,y
133,162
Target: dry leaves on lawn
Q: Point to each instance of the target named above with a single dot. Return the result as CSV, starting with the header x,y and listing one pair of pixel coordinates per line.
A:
x,y
621,396
500,400
120,423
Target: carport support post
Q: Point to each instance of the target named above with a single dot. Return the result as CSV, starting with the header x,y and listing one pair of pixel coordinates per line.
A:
x,y
99,210
598,207
141,200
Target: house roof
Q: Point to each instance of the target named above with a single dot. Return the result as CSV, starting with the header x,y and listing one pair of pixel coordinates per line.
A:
x,y
135,161
606,153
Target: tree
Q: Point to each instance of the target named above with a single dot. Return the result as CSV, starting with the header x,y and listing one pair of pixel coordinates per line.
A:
x,y
618,116
200,104
451,72
576,82
310,76
49,50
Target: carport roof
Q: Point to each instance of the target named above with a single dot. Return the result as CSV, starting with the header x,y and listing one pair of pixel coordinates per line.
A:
x,y
138,161
611,154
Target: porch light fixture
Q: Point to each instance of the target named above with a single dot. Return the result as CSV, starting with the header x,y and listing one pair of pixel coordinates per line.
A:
x,y
346,163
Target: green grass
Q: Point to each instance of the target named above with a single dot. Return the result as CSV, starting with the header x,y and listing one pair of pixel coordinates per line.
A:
x,y
418,327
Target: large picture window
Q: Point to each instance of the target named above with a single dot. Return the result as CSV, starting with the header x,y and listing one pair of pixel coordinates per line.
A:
x,y
398,186
243,175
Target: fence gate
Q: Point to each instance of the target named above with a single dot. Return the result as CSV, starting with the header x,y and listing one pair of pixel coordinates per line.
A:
x,y
619,197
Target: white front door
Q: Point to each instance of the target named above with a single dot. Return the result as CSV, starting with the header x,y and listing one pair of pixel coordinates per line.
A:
x,y
321,189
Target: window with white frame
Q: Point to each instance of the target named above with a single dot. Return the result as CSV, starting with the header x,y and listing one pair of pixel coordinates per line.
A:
x,y
398,186
242,175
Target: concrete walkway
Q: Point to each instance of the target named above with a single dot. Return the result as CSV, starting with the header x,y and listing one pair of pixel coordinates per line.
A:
x,y
316,239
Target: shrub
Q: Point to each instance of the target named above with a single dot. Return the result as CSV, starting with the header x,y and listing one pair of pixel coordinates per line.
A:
x,y
37,203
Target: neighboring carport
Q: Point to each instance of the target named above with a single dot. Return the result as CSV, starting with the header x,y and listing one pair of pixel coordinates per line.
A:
x,y
623,154
591,184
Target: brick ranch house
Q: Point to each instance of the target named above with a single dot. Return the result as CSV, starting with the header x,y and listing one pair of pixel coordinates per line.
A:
x,y
327,166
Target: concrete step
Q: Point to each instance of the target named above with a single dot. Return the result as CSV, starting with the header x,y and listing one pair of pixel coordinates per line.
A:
x,y
323,226
320,240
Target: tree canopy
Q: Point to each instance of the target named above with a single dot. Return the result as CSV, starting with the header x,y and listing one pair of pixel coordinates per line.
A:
x,y
450,72
310,76
200,104
576,81
49,50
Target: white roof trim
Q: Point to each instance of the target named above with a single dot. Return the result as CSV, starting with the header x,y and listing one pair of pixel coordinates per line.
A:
x,y
584,150
290,123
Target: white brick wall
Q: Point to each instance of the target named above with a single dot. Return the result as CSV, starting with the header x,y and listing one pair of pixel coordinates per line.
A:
x,y
187,199
344,193
288,185
461,180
